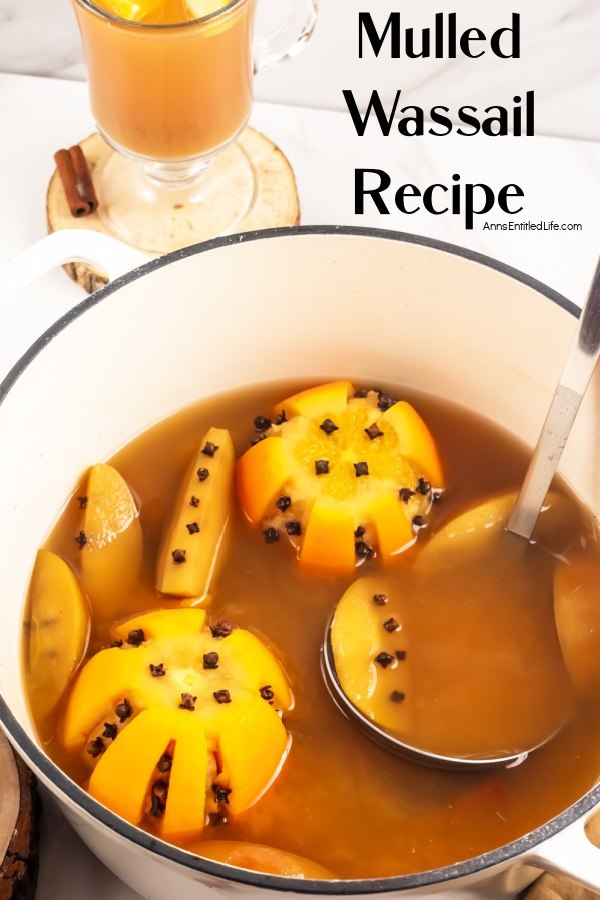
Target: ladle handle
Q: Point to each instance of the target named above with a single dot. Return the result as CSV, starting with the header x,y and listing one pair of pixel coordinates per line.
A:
x,y
578,369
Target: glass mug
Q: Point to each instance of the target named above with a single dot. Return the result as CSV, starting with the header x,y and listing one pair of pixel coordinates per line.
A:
x,y
169,93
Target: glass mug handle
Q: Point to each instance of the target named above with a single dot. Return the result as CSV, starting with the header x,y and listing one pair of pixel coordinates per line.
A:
x,y
288,39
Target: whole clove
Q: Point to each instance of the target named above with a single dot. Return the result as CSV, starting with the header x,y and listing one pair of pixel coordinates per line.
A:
x,y
271,535
123,710
222,696
384,659
221,793
261,423
136,637
158,798
188,702
221,629
96,747
165,763
267,693
373,431
328,426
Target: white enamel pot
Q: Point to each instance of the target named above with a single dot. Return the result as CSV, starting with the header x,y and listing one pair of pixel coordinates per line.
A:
x,y
305,302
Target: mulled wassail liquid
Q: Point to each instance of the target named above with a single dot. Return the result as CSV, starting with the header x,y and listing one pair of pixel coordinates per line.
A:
x,y
163,86
339,799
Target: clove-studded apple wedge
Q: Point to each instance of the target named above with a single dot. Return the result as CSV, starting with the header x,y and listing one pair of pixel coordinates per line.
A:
x,y
192,544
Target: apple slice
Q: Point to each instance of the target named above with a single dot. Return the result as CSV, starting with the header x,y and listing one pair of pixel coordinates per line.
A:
x,y
111,541
260,858
191,543
58,624
469,535
369,645
577,616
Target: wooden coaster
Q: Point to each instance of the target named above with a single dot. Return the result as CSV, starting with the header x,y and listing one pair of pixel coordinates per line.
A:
x,y
19,808
276,201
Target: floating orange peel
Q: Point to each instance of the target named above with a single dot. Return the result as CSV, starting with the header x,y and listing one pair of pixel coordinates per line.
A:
x,y
179,721
157,11
132,10
346,474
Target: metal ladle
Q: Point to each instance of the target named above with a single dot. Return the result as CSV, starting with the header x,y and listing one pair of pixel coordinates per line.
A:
x,y
393,744
576,374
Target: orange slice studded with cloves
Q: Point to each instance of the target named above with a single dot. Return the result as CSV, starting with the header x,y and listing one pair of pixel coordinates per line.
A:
x,y
179,721
345,474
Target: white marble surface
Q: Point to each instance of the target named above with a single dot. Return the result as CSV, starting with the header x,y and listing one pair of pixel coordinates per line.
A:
x,y
559,58
561,179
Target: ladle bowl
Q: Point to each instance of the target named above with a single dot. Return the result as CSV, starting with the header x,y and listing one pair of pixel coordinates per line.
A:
x,y
393,743
574,379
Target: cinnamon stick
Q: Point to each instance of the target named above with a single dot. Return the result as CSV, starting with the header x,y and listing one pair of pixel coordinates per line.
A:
x,y
76,181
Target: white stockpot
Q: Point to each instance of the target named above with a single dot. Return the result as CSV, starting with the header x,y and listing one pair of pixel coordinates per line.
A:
x,y
300,302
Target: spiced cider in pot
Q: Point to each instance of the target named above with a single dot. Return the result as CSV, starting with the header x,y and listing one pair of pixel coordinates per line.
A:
x,y
198,570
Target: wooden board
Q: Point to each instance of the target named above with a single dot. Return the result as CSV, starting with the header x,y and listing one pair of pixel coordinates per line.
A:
x,y
275,203
19,808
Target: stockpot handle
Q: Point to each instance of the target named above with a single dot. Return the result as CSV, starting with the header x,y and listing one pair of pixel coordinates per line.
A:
x,y
569,853
287,39
68,245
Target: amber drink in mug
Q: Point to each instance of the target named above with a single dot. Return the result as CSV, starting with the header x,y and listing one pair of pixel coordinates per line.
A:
x,y
171,88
